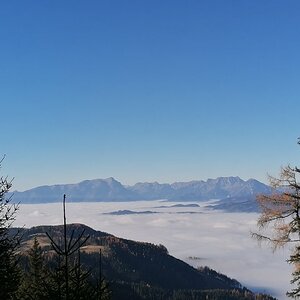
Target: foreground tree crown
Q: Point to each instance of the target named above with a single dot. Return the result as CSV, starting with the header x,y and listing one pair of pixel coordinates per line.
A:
x,y
9,271
280,211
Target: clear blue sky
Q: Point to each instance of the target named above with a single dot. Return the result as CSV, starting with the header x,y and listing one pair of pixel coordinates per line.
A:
x,y
148,90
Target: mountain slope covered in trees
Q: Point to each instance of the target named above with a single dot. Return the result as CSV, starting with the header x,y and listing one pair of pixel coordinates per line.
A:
x,y
137,270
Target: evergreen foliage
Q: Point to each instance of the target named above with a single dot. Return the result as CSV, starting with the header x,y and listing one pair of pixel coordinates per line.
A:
x,y
9,271
35,282
143,291
70,276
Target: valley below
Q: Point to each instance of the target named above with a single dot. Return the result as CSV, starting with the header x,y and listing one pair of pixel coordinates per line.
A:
x,y
192,232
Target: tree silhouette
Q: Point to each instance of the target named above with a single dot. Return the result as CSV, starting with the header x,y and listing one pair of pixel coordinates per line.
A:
x,y
36,282
281,211
9,271
102,288
66,250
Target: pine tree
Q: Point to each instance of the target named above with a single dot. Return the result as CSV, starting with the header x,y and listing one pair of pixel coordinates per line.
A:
x,y
35,285
9,271
80,287
102,289
65,252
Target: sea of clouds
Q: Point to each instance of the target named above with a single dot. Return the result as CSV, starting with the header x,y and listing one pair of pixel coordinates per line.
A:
x,y
197,235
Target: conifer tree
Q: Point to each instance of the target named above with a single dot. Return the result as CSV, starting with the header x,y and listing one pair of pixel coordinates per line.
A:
x,y
65,252
102,288
9,271
281,212
36,284
80,287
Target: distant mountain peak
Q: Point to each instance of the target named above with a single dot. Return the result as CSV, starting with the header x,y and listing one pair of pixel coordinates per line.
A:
x,y
229,179
110,189
111,179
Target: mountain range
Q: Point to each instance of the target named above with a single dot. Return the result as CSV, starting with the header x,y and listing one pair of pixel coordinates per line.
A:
x,y
231,190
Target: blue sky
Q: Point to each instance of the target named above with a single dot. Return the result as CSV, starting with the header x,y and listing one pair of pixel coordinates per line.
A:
x,y
148,90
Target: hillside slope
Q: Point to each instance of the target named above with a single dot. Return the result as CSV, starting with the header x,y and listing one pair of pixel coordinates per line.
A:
x,y
133,266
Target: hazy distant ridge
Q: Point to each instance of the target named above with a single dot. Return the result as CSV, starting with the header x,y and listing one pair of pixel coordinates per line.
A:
x,y
112,190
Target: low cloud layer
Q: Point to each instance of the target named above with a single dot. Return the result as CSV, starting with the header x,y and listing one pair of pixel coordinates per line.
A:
x,y
220,240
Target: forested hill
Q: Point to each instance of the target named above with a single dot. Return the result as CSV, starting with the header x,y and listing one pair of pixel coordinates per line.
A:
x,y
135,269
